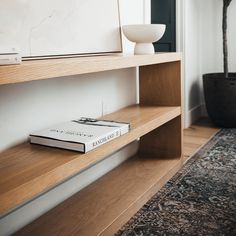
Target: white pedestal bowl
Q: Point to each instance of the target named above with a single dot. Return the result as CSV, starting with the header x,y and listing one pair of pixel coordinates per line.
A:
x,y
144,35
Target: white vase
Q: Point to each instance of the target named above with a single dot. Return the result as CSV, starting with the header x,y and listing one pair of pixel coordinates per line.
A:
x,y
144,35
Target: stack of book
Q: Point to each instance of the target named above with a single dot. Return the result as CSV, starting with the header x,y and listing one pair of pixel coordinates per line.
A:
x,y
9,55
80,135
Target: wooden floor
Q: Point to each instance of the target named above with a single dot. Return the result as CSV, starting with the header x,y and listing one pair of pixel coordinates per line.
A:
x,y
98,211
197,135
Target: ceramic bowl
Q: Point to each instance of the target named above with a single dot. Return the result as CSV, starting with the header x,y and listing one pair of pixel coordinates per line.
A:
x,y
144,35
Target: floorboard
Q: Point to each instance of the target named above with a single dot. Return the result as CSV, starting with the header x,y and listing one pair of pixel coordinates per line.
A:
x,y
197,135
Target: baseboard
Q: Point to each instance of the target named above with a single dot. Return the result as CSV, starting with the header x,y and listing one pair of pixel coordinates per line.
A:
x,y
192,115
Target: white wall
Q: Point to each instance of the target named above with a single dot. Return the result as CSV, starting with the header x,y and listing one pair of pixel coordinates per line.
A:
x,y
211,36
231,36
188,28
31,106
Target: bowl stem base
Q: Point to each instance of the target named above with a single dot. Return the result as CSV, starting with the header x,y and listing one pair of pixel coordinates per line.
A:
x,y
144,48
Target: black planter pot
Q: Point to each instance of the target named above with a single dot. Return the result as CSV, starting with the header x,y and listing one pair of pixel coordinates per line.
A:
x,y
220,97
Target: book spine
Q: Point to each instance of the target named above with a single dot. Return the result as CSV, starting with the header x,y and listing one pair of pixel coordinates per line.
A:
x,y
10,59
102,140
125,129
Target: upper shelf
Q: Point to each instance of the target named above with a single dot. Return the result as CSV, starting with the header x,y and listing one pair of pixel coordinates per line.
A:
x,y
51,68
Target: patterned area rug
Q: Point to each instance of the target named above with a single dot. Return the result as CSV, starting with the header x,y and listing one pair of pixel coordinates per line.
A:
x,y
199,200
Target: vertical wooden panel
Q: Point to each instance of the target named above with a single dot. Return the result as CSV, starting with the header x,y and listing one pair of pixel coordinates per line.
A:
x,y
163,142
160,84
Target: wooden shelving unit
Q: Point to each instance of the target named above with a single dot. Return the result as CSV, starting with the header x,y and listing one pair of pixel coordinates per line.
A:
x,y
29,170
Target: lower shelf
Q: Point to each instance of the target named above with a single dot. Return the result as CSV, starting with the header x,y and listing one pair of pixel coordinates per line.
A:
x,y
29,170
104,206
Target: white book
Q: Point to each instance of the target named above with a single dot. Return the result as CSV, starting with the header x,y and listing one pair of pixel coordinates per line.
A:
x,y
80,135
10,59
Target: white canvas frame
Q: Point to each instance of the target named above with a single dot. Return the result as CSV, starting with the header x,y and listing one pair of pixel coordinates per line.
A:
x,y
54,28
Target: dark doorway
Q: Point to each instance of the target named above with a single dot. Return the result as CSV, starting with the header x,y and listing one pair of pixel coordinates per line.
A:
x,y
164,12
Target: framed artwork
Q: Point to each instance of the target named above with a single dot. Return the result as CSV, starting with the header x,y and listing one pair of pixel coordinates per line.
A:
x,y
53,28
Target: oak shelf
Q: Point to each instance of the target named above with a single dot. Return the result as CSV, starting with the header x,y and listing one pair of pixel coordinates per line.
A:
x,y
51,68
26,171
